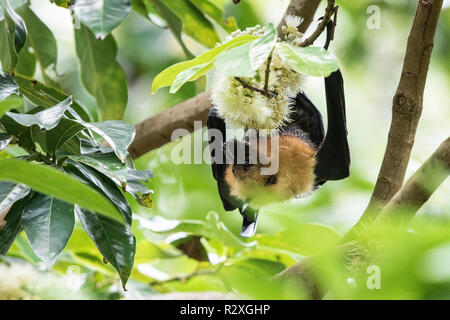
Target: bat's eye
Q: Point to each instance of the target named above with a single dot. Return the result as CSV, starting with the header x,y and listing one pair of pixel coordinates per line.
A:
x,y
271,180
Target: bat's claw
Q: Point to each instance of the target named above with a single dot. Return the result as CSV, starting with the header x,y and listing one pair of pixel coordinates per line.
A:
x,y
248,227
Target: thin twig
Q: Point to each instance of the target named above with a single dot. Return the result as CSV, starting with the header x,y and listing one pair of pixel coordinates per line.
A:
x,y
266,93
266,80
329,11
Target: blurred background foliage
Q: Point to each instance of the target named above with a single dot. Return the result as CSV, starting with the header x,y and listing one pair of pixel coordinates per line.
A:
x,y
187,242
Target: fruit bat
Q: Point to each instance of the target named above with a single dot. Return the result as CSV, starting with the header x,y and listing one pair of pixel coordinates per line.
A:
x,y
306,156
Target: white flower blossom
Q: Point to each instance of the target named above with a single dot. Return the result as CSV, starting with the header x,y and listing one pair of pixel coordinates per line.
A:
x,y
293,21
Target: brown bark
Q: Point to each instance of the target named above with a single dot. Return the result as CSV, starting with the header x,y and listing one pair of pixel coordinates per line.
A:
x,y
302,8
407,106
419,188
156,131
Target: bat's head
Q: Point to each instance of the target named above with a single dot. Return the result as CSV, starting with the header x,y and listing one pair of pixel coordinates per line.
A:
x,y
270,169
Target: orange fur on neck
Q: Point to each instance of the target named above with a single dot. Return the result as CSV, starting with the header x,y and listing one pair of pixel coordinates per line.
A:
x,y
294,177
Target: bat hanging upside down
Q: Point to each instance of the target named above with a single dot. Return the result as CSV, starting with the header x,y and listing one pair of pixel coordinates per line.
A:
x,y
305,156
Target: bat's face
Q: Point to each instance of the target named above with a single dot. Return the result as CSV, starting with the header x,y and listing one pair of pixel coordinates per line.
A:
x,y
272,171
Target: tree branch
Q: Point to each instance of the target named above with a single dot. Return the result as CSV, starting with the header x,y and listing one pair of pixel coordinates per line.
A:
x,y
406,111
419,188
302,8
407,106
156,131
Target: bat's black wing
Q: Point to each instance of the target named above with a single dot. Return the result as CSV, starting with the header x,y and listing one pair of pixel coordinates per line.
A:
x,y
218,163
333,157
215,126
306,121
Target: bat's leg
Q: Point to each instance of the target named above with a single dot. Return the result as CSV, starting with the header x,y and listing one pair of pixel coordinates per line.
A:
x,y
333,157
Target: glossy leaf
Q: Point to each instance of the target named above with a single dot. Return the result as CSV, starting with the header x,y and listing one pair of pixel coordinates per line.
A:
x,y
101,74
10,193
102,184
40,37
261,49
10,103
58,184
58,136
313,61
101,16
5,139
106,163
208,8
190,74
46,96
7,86
48,223
13,34
13,226
47,119
114,240
167,76
117,134
236,61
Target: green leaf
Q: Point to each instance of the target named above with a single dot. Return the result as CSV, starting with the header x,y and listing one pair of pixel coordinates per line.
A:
x,y
62,133
45,96
10,193
236,61
304,239
26,61
168,76
102,184
7,86
212,228
114,240
40,37
13,34
47,119
190,74
48,223
13,226
101,16
5,139
22,133
106,163
313,61
101,74
10,103
209,9
262,48
117,134
58,184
